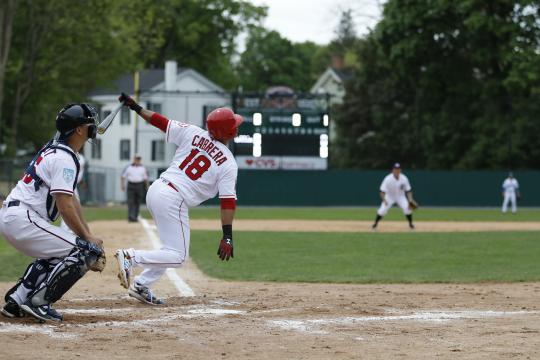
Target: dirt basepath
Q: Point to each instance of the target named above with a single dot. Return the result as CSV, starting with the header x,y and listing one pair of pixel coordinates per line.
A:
x,y
250,320
365,226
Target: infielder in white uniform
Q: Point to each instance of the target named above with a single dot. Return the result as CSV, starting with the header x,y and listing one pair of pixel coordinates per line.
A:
x,y
202,167
510,190
44,192
396,189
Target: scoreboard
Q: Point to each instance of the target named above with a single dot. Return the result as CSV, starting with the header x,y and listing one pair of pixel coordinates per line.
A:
x,y
282,130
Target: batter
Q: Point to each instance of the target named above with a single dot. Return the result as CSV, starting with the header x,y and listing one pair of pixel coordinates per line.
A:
x,y
202,167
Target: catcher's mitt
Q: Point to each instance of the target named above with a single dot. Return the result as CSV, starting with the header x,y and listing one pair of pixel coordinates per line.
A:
x,y
413,205
100,263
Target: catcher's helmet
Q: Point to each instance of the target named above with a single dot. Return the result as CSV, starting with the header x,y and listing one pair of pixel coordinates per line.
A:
x,y
74,115
223,123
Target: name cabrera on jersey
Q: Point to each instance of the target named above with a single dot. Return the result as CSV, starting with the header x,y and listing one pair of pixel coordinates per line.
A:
x,y
58,171
201,167
395,188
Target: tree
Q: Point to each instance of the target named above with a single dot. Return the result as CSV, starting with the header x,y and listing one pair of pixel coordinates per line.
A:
x,y
270,60
201,34
445,85
60,51
7,13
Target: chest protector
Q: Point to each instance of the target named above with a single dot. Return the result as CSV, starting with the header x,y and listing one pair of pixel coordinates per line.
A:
x,y
31,174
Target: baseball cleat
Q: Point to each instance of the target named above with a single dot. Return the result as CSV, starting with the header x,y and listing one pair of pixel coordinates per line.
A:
x,y
143,294
124,267
12,310
43,312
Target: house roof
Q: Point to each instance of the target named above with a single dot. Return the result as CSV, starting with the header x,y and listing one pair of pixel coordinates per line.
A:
x,y
344,75
148,79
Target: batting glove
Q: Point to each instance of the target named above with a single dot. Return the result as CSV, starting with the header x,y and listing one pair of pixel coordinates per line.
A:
x,y
129,102
225,249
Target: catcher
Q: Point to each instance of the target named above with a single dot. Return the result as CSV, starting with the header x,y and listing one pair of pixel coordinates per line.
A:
x,y
396,188
45,192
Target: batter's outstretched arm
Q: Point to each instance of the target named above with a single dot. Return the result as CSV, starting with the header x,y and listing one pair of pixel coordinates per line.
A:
x,y
154,118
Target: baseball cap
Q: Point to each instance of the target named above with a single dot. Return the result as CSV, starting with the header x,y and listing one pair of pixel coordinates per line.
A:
x,y
137,156
396,166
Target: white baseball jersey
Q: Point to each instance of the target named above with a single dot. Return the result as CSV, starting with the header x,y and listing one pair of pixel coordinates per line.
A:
x,y
201,167
510,186
58,171
135,173
395,188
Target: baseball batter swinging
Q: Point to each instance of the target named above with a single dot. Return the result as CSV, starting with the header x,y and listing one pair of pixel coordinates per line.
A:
x,y
202,167
396,188
45,192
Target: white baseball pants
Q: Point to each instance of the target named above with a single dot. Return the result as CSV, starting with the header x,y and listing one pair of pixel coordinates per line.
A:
x,y
34,236
172,221
509,197
402,202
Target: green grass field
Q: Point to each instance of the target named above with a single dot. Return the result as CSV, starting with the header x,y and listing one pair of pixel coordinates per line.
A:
x,y
350,257
373,257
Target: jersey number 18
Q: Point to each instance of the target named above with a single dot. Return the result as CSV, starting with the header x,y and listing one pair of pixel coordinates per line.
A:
x,y
197,165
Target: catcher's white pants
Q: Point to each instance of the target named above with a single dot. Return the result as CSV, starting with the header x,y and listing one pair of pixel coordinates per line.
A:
x,y
402,202
509,197
172,221
34,236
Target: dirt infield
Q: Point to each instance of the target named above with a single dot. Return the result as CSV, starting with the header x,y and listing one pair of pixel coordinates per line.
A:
x,y
365,226
250,320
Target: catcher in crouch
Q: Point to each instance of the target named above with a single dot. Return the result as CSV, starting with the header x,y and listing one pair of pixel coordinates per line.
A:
x,y
396,188
202,167
45,192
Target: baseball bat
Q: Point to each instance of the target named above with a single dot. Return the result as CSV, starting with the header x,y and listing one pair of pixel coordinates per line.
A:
x,y
104,125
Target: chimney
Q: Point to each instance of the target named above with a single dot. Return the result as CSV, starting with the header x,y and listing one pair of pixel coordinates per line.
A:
x,y
170,75
338,62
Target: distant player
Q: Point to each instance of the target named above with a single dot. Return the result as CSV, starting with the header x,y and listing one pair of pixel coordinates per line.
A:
x,y
45,192
510,190
396,189
202,167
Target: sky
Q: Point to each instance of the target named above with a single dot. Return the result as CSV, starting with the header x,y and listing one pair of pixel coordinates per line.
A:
x,y
317,20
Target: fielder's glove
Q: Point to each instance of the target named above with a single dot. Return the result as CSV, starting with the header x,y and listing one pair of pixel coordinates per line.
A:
x,y
225,249
129,102
413,205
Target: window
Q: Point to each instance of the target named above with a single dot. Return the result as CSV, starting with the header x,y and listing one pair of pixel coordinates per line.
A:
x,y
125,116
155,107
158,150
125,149
96,149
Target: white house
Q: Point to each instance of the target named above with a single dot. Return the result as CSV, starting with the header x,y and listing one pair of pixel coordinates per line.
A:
x,y
332,82
179,93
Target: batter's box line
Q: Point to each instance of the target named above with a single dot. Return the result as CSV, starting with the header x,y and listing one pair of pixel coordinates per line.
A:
x,y
178,282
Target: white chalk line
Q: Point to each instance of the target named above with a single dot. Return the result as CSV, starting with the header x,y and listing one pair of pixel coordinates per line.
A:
x,y
178,282
312,325
70,331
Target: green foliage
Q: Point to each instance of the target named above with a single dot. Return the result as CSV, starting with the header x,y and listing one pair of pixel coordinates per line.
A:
x,y
201,34
63,49
372,258
270,60
445,84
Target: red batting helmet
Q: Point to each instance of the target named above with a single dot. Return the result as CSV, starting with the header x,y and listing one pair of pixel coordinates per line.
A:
x,y
223,123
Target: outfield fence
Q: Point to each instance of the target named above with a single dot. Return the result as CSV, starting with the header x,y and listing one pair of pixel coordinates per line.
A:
x,y
320,188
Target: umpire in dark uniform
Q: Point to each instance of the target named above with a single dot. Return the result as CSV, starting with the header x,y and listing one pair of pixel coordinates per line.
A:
x,y
137,182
